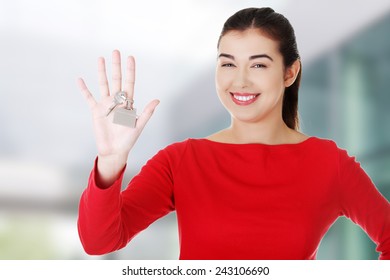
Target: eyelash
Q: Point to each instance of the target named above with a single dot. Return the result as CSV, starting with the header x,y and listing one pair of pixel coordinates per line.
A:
x,y
258,65
227,65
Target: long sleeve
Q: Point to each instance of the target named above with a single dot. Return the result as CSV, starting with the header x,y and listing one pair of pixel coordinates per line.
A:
x,y
110,218
99,222
363,203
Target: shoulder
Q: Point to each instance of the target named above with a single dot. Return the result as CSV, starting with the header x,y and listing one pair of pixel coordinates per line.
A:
x,y
325,151
330,149
174,151
167,158
177,147
194,149
323,144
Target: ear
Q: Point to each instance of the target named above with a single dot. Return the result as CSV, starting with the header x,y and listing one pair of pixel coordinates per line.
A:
x,y
292,73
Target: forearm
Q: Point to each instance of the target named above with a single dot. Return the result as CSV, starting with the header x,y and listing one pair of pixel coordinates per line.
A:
x,y
109,217
99,222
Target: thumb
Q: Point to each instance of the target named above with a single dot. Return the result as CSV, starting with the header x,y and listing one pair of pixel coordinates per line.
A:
x,y
147,113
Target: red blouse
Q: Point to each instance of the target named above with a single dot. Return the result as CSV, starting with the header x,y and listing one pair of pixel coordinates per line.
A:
x,y
238,201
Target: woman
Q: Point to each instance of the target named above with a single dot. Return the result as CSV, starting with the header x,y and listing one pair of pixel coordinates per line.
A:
x,y
258,189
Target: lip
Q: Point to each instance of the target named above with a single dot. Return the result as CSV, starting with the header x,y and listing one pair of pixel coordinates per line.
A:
x,y
244,99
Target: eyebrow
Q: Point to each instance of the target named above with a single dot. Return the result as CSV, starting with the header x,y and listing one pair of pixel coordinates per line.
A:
x,y
250,58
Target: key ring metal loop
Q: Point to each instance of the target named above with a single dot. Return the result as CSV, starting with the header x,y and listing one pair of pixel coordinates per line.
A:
x,y
129,104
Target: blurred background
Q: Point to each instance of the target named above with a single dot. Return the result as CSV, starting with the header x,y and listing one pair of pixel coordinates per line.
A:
x,y
47,147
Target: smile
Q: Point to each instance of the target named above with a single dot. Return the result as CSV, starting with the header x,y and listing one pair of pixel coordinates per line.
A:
x,y
244,99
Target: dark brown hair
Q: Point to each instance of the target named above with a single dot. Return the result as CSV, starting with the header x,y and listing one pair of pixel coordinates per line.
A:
x,y
278,28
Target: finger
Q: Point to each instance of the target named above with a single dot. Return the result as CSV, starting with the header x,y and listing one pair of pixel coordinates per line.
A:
x,y
102,77
116,72
130,77
86,93
147,113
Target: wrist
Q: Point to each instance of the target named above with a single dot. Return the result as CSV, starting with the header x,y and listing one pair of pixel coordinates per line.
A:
x,y
109,168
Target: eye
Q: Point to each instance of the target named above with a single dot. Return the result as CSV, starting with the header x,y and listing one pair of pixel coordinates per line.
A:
x,y
259,65
227,65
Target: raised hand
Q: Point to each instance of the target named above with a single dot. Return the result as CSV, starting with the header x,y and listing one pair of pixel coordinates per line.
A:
x,y
114,142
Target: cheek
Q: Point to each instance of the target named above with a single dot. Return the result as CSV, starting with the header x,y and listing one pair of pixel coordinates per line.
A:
x,y
222,80
274,81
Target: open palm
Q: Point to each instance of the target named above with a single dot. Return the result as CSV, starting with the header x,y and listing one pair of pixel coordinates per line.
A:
x,y
113,139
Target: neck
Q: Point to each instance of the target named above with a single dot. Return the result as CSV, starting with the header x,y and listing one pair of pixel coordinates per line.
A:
x,y
276,132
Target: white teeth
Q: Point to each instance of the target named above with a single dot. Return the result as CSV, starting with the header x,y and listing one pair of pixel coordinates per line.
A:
x,y
244,98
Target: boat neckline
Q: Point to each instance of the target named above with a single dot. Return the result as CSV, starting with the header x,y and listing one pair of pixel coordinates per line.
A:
x,y
307,140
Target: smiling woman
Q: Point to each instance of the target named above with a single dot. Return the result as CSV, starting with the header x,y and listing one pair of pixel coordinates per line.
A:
x,y
280,39
251,71
259,189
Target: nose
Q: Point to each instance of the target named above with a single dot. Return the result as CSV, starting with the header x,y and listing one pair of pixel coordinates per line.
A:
x,y
242,79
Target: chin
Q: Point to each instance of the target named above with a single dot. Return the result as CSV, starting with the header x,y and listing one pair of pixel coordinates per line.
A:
x,y
246,118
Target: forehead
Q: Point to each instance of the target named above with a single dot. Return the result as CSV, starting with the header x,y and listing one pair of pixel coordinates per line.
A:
x,y
248,42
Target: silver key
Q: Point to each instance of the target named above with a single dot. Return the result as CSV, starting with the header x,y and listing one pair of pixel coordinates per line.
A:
x,y
119,98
